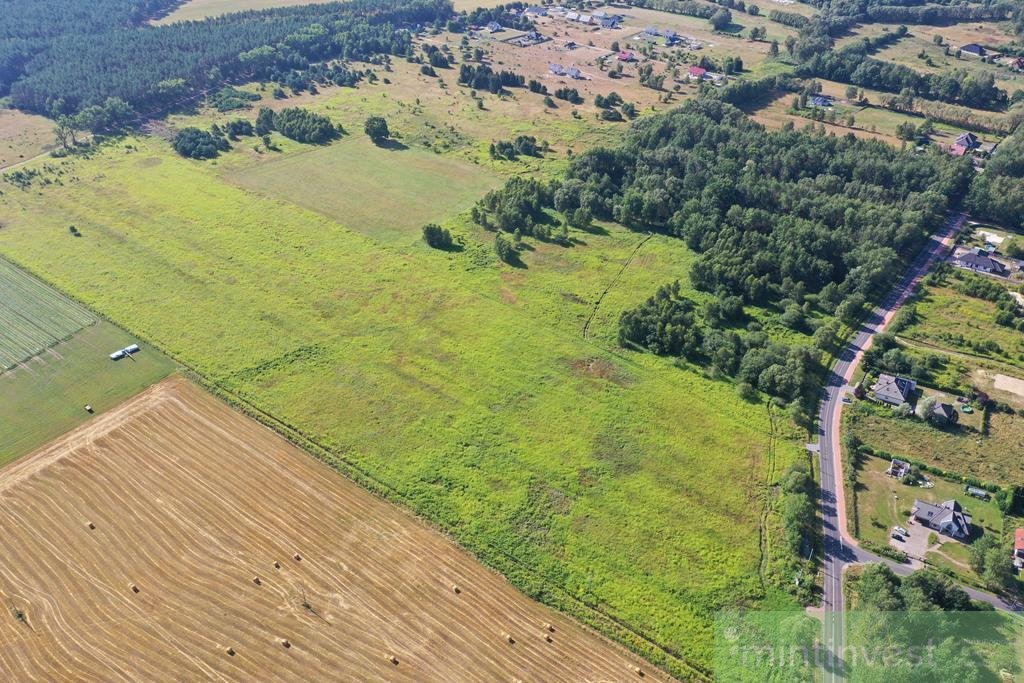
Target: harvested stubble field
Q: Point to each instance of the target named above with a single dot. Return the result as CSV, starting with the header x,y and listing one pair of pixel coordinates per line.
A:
x,y
177,496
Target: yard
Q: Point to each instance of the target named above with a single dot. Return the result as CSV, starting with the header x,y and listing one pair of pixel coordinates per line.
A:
x,y
884,502
548,455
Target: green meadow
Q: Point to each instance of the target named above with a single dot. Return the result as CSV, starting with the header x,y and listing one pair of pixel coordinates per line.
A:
x,y
465,388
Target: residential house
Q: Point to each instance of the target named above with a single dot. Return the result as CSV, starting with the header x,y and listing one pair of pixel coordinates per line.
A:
x,y
968,140
821,101
958,150
979,261
611,22
573,16
600,14
1016,63
536,11
626,56
972,49
652,32
697,73
943,414
898,468
494,27
556,69
893,390
586,19
947,518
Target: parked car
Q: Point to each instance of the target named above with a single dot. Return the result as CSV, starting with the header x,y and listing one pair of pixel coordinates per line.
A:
x,y
897,537
900,530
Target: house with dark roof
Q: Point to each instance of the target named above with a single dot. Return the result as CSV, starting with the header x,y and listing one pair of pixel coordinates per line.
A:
x,y
947,518
979,261
556,69
943,414
821,101
573,72
968,140
973,49
1016,63
893,390
611,22
536,11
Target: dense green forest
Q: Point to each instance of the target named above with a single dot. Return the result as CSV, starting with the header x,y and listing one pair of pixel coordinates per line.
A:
x,y
795,220
80,61
998,193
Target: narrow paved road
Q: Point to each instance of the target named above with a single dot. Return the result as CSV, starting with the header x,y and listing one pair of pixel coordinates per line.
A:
x,y
840,548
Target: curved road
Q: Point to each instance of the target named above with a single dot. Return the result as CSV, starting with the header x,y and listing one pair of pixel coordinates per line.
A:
x,y
840,549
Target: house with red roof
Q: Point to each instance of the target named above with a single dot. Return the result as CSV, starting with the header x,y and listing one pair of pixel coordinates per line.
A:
x,y
697,73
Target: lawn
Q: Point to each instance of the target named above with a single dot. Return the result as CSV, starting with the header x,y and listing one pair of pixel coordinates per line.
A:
x,y
550,456
386,193
46,397
993,456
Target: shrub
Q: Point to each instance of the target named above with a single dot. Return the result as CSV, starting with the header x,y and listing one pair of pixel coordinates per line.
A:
x,y
437,237
195,143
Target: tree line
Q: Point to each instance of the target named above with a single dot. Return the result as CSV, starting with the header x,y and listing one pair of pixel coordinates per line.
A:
x,y
73,66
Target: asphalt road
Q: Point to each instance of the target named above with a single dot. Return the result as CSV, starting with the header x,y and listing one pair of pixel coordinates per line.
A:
x,y
840,548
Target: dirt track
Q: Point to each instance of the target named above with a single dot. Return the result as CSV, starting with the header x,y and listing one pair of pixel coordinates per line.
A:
x,y
190,502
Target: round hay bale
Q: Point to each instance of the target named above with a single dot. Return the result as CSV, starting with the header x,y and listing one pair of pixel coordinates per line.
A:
x,y
135,589
230,651
277,565
456,589
298,558
393,659
509,638
285,643
91,525
639,672
547,637
550,627
257,581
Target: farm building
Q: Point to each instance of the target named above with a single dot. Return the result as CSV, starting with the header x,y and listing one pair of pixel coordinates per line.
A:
x,y
556,69
573,72
975,492
572,16
611,22
821,101
494,27
536,11
973,49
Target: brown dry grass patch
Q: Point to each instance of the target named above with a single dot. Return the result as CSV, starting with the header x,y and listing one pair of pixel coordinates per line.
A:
x,y
174,538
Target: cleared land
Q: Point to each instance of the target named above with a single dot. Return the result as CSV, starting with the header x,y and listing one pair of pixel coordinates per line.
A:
x,y
953,321
235,539
201,9
990,454
23,136
386,193
549,456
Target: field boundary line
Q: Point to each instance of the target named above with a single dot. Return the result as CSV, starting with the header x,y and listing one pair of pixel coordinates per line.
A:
x,y
615,280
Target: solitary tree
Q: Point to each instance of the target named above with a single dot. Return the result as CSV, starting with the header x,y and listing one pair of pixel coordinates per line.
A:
x,y
721,19
377,129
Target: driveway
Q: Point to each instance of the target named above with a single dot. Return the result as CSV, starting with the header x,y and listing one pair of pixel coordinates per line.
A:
x,y
916,544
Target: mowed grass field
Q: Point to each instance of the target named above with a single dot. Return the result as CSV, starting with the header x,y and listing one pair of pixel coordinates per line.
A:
x,y
385,193
57,362
550,456
33,317
175,539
